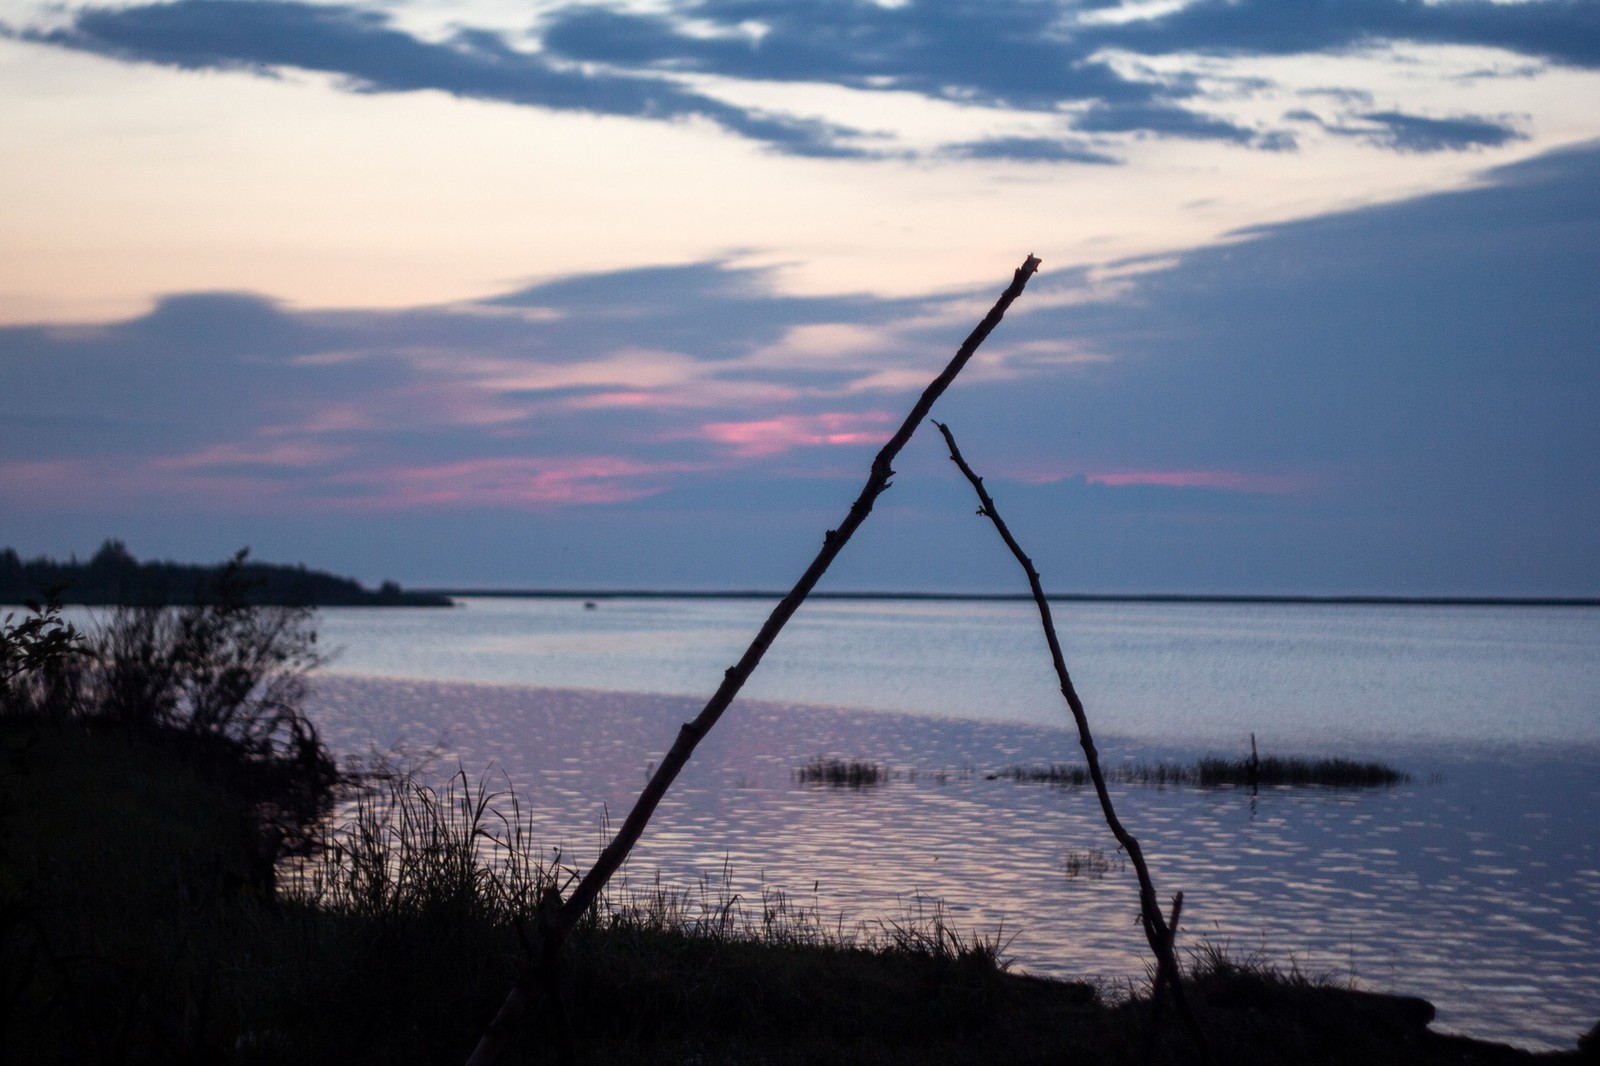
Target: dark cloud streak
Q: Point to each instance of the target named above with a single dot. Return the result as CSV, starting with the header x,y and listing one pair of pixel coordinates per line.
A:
x,y
361,47
1033,56
1162,120
1404,132
1000,54
670,307
1415,133
1030,150
1561,31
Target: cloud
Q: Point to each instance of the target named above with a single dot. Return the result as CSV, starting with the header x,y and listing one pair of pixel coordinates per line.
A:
x,y
1561,31
1041,57
1014,55
1161,120
1416,133
1360,335
774,436
1419,374
1224,480
289,458
510,482
1399,398
669,307
363,48
577,391
1030,150
1044,57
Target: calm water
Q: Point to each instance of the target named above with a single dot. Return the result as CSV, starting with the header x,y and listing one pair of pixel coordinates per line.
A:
x,y
1477,885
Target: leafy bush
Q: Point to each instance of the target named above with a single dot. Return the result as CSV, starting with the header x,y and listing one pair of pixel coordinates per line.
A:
x,y
222,680
33,651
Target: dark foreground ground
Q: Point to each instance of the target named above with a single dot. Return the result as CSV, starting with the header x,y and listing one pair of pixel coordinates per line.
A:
x,y
135,927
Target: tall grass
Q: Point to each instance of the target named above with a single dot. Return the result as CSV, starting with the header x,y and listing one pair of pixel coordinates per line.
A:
x,y
408,848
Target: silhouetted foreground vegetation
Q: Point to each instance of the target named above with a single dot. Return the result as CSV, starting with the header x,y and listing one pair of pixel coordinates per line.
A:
x,y
151,912
219,683
1270,771
131,930
114,576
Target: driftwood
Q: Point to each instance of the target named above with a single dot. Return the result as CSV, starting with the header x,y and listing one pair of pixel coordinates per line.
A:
x,y
1157,930
559,920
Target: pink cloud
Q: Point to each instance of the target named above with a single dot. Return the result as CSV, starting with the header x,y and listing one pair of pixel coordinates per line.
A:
x,y
614,398
514,482
46,485
1224,480
1227,480
701,394
136,485
773,436
330,418
287,453
188,482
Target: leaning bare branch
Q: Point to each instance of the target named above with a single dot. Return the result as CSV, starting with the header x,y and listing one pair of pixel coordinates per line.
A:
x,y
1156,928
561,920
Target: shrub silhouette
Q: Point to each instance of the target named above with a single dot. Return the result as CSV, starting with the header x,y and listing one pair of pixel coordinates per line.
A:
x,y
220,680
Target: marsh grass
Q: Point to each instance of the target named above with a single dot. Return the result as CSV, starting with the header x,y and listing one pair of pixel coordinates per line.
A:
x,y
1298,772
1268,772
1093,863
840,773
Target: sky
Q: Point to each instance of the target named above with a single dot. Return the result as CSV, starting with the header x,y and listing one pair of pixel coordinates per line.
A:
x,y
627,295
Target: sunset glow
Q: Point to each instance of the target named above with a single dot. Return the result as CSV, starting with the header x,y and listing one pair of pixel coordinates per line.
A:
x,y
277,271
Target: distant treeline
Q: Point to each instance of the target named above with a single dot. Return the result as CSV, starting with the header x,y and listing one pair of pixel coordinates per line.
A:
x,y
114,576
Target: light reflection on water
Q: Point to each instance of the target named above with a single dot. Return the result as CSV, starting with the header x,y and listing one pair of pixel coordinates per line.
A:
x,y
1476,886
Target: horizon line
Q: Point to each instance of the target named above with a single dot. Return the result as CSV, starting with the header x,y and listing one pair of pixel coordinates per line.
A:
x,y
1002,597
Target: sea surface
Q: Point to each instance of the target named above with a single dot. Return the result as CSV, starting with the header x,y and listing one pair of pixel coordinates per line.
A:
x,y
1476,884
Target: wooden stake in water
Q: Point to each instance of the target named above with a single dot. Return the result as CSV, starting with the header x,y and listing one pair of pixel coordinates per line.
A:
x,y
561,919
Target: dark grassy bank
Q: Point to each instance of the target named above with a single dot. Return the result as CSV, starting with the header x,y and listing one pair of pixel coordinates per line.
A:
x,y
135,926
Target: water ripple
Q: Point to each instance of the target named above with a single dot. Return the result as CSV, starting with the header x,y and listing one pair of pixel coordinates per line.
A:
x,y
1444,889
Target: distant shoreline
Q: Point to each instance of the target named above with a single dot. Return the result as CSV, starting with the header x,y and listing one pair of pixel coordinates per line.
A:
x,y
113,577
1010,597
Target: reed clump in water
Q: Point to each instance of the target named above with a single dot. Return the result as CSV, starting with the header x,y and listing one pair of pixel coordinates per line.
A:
x,y
840,773
1093,863
1298,772
1271,771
